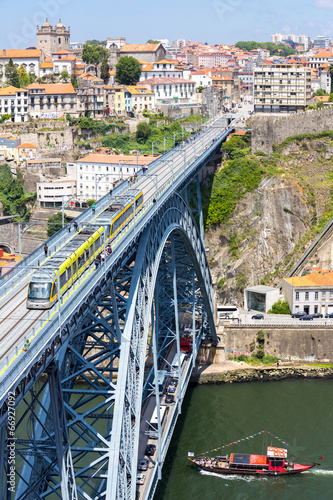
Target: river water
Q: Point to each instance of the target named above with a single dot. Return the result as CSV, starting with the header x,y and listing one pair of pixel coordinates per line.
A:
x,y
300,412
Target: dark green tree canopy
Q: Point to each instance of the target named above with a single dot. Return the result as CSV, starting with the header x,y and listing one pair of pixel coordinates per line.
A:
x,y
275,49
105,71
320,92
154,42
128,71
94,54
54,223
143,131
12,74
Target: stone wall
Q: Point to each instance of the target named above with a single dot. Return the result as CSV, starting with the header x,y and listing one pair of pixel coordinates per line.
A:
x,y
268,130
299,343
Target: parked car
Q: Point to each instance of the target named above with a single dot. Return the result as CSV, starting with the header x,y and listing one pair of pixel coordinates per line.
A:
x,y
307,317
172,388
298,314
174,381
140,478
150,450
143,464
169,398
258,316
317,315
329,315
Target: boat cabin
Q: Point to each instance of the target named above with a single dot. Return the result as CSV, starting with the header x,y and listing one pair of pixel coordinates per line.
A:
x,y
277,459
244,461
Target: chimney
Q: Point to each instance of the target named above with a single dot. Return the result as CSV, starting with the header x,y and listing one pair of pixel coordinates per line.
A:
x,y
4,52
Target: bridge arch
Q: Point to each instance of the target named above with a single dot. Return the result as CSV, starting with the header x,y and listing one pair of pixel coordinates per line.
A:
x,y
173,220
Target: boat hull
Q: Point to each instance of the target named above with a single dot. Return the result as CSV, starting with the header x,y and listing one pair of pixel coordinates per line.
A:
x,y
247,472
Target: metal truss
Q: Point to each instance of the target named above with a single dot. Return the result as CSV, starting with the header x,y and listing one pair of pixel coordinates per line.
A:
x,y
79,426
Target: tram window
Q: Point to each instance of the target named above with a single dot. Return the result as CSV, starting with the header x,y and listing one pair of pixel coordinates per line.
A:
x,y
87,255
39,290
97,243
68,274
63,279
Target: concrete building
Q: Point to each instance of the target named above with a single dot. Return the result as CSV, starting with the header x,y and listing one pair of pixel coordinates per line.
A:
x,y
317,60
30,59
144,52
260,298
52,100
14,102
104,171
168,90
50,193
322,42
312,293
213,100
213,59
51,39
8,146
282,88
299,39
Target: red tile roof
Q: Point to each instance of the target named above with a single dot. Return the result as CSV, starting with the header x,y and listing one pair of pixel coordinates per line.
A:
x,y
18,54
53,88
140,47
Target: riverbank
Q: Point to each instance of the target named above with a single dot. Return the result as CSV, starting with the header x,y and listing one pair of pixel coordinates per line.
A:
x,y
236,372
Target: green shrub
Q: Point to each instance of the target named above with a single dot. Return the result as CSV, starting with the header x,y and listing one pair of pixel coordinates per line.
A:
x,y
54,223
280,307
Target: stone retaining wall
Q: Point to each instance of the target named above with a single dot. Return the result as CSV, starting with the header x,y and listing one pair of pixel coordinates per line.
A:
x,y
268,130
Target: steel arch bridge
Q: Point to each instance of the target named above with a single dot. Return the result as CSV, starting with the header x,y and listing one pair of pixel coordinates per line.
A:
x,y
85,392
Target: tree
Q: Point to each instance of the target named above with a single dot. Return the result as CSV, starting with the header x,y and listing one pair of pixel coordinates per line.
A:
x,y
128,71
330,71
94,54
65,76
12,74
23,77
154,42
320,92
32,77
143,131
54,223
330,99
105,71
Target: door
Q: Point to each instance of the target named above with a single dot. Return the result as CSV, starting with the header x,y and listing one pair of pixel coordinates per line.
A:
x,y
306,309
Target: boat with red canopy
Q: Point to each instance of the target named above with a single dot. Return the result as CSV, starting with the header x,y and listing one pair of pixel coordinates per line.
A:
x,y
274,463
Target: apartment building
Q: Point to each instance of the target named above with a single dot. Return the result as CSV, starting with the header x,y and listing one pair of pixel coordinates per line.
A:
x,y
282,88
51,193
30,59
14,102
52,100
168,90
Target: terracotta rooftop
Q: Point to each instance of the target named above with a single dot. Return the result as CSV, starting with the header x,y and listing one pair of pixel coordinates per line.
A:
x,y
17,53
313,279
10,90
115,159
53,88
27,145
140,47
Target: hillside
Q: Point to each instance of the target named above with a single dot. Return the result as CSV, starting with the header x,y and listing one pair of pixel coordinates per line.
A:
x,y
262,212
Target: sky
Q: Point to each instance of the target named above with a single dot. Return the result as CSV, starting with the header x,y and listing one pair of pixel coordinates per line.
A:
x,y
211,21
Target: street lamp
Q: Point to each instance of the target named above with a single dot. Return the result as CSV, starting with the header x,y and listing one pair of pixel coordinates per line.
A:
x,y
98,178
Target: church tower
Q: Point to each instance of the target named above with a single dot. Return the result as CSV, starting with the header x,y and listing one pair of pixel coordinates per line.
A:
x,y
51,39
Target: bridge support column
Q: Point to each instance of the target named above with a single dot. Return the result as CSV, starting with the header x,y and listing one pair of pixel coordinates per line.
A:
x,y
175,298
66,472
157,392
201,224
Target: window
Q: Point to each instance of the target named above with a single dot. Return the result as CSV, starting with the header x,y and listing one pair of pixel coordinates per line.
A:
x,y
297,296
316,295
306,295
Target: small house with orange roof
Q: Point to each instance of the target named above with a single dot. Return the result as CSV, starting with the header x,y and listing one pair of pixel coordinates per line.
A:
x,y
312,293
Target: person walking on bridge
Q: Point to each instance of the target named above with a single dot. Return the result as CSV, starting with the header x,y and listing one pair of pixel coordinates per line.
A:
x,y
46,249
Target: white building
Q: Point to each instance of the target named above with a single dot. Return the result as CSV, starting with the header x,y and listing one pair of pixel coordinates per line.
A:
x,y
312,293
202,78
320,58
300,39
282,88
159,69
103,171
50,193
213,59
171,90
14,102
30,59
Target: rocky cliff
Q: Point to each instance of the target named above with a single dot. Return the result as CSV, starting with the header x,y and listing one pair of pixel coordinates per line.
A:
x,y
272,225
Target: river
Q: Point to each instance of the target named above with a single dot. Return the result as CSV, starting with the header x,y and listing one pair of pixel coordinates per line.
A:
x,y
300,412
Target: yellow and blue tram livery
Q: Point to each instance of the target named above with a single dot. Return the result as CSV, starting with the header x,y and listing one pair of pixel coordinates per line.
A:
x,y
70,261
